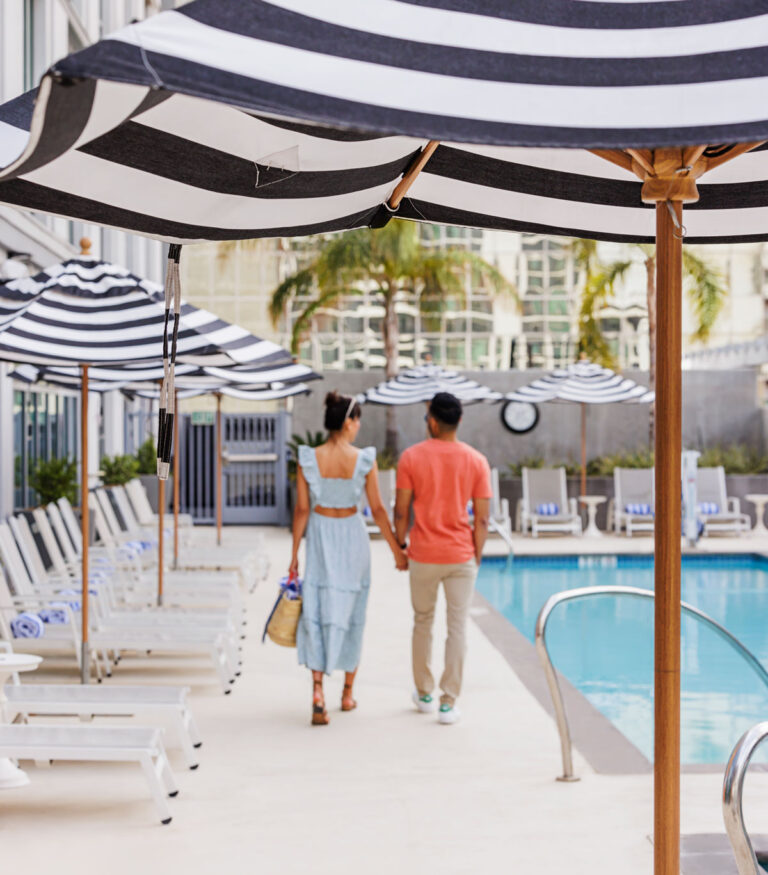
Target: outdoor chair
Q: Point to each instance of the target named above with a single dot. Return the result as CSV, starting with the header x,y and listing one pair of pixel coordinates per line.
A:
x,y
164,704
115,632
633,506
545,504
500,521
387,487
96,744
719,513
146,517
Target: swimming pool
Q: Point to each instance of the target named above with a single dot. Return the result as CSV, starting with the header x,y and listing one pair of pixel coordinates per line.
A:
x,y
604,645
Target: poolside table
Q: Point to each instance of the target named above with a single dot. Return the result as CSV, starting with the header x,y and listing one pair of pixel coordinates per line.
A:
x,y
592,502
759,502
10,663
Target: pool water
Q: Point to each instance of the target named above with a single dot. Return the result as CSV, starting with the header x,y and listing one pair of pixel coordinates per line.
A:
x,y
604,644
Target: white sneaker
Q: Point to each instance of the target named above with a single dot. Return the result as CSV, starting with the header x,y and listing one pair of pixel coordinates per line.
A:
x,y
425,704
448,714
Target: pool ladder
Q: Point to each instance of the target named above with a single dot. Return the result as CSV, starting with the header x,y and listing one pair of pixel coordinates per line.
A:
x,y
733,792
554,685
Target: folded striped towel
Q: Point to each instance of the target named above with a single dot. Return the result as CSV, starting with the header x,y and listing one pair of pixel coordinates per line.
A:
x,y
54,616
27,626
638,509
707,508
548,508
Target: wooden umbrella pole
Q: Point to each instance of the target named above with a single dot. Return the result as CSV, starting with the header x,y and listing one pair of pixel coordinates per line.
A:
x,y
160,537
669,254
219,472
176,485
85,653
583,448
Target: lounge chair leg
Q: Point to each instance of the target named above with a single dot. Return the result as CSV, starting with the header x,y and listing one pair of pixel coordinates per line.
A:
x,y
156,788
185,740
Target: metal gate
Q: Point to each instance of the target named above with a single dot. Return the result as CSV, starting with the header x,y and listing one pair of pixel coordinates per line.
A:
x,y
254,468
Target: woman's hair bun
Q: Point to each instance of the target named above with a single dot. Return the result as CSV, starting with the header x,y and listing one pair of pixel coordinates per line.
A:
x,y
338,409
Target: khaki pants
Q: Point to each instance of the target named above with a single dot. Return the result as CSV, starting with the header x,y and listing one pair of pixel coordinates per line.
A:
x,y
458,582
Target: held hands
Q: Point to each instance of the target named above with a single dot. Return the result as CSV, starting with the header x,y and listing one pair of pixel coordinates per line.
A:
x,y
401,558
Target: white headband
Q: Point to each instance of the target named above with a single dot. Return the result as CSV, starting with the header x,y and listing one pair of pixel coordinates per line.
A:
x,y
349,409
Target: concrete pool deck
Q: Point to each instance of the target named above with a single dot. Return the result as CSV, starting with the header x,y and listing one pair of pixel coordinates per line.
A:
x,y
380,790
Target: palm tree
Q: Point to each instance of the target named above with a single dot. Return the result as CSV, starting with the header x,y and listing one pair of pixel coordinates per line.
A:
x,y
388,261
703,283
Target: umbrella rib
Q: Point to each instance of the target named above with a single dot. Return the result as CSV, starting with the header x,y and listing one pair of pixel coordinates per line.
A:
x,y
409,177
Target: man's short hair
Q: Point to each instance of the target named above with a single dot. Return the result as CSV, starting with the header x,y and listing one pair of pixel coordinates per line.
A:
x,y
446,409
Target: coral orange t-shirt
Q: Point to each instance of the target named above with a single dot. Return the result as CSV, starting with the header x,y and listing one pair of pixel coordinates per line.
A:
x,y
444,476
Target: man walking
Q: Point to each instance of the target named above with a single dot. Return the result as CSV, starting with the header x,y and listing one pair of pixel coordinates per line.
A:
x,y
440,476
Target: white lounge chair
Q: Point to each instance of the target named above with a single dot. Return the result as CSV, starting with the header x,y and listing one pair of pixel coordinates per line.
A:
x,y
151,703
545,503
633,504
115,633
719,513
97,744
500,521
252,565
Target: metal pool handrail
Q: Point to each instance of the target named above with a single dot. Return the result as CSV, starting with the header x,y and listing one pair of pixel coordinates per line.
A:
x,y
733,791
554,686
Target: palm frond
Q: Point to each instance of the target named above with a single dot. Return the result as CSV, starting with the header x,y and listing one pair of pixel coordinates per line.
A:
x,y
299,283
324,299
706,289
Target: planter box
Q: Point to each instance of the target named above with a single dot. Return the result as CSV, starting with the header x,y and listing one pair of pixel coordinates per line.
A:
x,y
151,484
737,486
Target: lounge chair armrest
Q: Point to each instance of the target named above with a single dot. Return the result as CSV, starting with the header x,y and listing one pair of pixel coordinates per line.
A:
x,y
573,504
734,504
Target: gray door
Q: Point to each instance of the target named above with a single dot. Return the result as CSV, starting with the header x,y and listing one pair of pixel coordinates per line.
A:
x,y
253,453
254,468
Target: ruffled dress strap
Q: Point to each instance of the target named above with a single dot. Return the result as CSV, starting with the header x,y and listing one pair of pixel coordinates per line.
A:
x,y
309,468
365,462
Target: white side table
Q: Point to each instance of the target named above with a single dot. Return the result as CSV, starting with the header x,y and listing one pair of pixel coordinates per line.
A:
x,y
759,502
10,775
592,502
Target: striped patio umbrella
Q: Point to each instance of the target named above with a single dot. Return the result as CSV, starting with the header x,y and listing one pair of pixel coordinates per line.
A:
x,y
86,312
583,383
422,383
231,119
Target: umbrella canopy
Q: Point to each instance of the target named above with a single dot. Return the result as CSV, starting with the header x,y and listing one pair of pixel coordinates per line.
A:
x,y
89,311
583,383
191,124
188,377
423,382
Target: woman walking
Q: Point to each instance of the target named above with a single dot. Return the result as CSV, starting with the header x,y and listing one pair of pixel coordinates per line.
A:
x,y
330,482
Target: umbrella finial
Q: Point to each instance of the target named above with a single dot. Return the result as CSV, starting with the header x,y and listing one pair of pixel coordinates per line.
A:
x,y
85,246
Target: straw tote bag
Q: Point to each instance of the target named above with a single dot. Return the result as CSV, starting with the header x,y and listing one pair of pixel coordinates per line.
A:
x,y
283,622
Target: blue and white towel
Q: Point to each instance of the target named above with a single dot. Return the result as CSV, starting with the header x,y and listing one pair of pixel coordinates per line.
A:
x,y
74,604
708,508
56,615
638,509
27,626
548,508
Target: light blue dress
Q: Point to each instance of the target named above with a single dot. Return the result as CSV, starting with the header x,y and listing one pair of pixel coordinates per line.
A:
x,y
338,569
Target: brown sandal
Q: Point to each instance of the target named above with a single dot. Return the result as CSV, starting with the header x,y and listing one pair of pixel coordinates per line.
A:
x,y
348,707
319,714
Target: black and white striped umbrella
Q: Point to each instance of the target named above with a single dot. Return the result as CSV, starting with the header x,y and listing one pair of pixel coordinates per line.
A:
x,y
243,118
583,383
422,383
87,311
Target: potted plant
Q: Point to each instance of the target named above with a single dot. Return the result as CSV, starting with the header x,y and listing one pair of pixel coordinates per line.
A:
x,y
118,470
54,479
